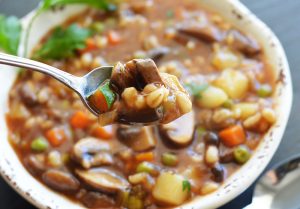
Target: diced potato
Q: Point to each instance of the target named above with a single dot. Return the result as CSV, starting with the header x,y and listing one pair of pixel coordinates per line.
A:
x,y
169,190
212,97
233,82
246,109
224,58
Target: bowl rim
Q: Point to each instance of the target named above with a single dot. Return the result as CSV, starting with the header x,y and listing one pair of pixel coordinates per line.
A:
x,y
229,190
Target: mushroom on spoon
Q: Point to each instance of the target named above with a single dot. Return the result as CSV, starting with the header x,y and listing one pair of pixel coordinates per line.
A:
x,y
133,93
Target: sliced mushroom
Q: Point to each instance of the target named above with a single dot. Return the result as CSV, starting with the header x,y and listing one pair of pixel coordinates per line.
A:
x,y
90,152
60,181
136,73
28,93
145,116
98,200
179,132
103,179
34,166
147,72
204,31
243,43
137,138
157,53
122,77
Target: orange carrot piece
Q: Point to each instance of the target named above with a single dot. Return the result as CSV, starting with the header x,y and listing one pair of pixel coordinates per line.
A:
x,y
90,46
80,120
145,156
113,37
98,100
56,136
102,133
233,136
179,12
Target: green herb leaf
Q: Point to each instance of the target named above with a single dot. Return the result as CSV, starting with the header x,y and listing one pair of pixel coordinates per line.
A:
x,y
186,185
170,14
109,95
195,89
99,4
10,33
108,5
63,43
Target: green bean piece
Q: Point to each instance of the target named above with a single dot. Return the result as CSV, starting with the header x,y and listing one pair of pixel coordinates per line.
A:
x,y
39,144
264,90
135,203
147,168
169,159
241,154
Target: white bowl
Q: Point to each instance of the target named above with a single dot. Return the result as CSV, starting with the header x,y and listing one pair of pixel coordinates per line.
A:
x,y
235,12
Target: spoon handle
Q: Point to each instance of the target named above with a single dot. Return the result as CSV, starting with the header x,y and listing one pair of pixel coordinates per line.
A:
x,y
64,77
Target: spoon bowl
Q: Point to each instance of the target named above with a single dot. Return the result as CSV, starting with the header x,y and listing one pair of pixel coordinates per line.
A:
x,y
84,86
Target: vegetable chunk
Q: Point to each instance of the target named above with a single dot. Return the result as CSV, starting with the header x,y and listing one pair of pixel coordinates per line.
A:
x,y
168,189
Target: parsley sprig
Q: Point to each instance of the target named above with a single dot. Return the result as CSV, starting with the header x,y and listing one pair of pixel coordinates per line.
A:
x,y
63,43
10,32
98,4
186,185
107,5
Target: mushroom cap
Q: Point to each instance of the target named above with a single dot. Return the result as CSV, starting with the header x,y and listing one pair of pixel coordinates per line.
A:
x,y
91,152
103,179
180,131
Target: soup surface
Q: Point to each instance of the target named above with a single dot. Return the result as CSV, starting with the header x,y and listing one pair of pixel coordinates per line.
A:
x,y
62,145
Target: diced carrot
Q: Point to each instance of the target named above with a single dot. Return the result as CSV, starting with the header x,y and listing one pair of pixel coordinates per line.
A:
x,y
113,37
90,46
145,156
99,101
56,136
80,120
233,136
179,13
102,132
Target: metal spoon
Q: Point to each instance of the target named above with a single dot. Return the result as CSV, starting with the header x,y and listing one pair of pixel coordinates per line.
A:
x,y
83,86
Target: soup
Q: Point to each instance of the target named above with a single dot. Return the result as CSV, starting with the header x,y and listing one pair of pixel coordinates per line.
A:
x,y
119,166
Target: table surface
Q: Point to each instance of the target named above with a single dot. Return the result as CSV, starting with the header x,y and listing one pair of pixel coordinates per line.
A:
x,y
283,18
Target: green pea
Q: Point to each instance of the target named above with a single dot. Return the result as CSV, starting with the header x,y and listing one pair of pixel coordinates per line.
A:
x,y
241,154
147,168
264,90
39,144
169,159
